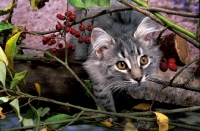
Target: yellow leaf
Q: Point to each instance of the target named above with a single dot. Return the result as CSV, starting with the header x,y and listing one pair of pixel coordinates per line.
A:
x,y
33,4
130,127
10,49
1,113
162,121
106,123
38,87
142,106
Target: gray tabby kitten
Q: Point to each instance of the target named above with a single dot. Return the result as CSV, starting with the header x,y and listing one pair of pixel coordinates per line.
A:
x,y
121,57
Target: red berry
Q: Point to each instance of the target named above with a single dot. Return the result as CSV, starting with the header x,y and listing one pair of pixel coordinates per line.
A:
x,y
77,34
44,40
69,45
58,26
88,40
51,42
67,29
163,66
72,17
68,13
73,31
171,60
53,35
23,35
61,17
90,27
53,50
72,48
19,42
81,27
60,45
80,39
172,66
25,30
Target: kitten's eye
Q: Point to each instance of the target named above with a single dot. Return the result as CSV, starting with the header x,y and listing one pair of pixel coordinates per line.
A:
x,y
121,65
144,60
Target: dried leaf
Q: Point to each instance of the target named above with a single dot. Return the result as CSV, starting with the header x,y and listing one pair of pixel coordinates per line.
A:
x,y
38,88
106,123
162,121
1,113
142,106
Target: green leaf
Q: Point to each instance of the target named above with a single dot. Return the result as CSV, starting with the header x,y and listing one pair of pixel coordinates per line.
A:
x,y
18,78
7,9
10,49
77,3
29,114
5,26
4,100
36,115
33,4
42,111
15,105
98,3
27,122
59,117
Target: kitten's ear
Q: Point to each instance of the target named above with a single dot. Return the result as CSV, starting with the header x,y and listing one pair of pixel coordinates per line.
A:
x,y
146,27
102,43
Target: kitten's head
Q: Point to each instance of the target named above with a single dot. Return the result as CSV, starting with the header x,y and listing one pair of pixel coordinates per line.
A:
x,y
129,59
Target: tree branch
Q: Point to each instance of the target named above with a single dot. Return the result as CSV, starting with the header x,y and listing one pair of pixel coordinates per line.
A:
x,y
165,22
70,70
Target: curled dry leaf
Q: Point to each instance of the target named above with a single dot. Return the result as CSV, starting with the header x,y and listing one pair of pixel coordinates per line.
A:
x,y
1,113
142,106
162,121
174,46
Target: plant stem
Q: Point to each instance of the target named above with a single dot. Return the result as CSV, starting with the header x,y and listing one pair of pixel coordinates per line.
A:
x,y
167,21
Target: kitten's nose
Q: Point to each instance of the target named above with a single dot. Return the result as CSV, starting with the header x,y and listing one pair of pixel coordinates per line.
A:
x,y
138,79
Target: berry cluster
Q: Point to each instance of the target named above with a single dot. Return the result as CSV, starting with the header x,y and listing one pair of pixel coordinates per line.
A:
x,y
83,34
50,40
171,64
22,36
82,28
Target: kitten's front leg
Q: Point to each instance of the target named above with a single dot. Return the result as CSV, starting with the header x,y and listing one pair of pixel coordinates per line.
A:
x,y
105,99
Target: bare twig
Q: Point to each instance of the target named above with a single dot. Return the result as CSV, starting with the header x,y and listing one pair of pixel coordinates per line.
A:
x,y
70,70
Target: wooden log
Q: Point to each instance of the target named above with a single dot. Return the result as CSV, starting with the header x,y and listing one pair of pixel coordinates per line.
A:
x,y
171,95
57,83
